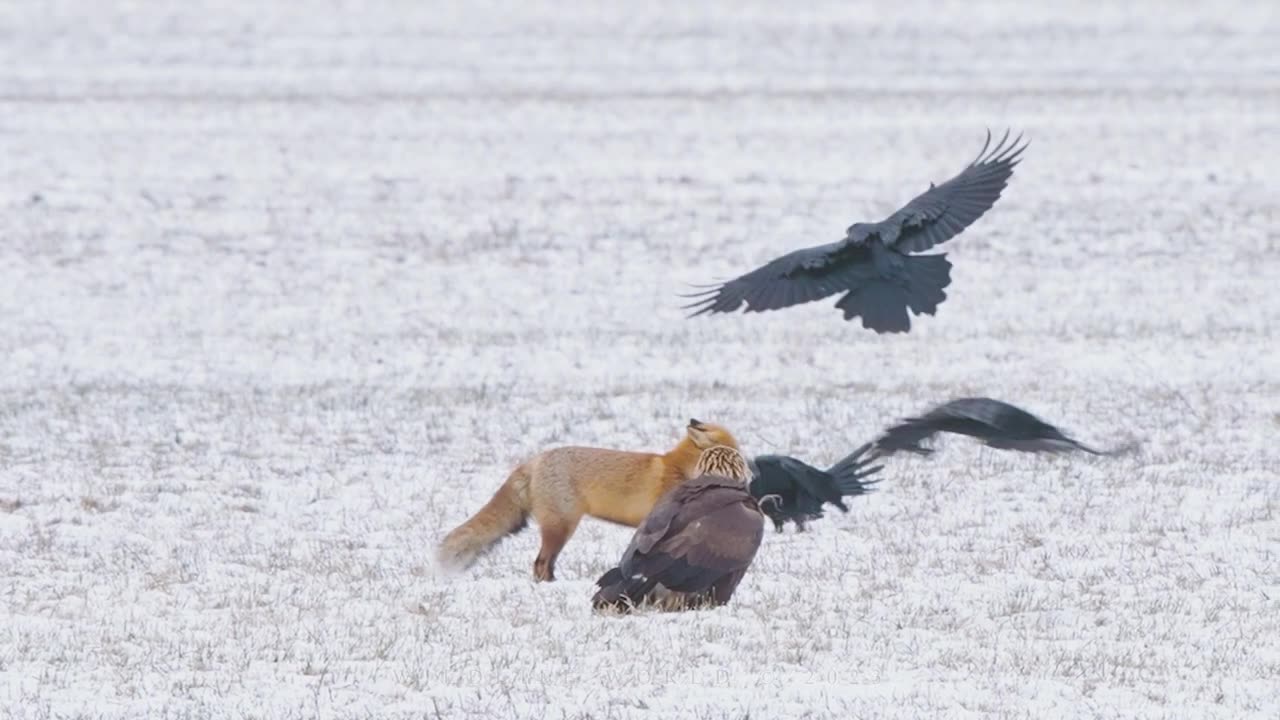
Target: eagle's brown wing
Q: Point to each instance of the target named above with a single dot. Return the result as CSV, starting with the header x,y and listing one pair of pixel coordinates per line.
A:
x,y
671,513
699,538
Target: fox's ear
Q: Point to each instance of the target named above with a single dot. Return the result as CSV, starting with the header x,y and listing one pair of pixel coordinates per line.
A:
x,y
695,424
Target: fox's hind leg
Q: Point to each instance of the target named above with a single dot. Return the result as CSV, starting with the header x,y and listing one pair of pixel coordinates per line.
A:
x,y
556,531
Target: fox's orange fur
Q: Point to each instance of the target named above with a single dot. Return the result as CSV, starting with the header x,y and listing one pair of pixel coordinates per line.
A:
x,y
558,486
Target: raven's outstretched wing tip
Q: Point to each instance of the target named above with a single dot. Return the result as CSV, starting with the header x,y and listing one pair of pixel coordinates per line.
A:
x,y
699,294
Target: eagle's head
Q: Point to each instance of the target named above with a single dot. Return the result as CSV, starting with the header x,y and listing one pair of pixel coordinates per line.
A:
x,y
724,461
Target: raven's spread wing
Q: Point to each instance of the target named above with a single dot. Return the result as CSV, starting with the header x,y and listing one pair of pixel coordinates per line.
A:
x,y
944,211
813,273
979,417
798,277
996,414
996,423
1009,427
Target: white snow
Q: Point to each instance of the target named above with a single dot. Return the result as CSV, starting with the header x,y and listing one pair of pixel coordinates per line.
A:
x,y
286,291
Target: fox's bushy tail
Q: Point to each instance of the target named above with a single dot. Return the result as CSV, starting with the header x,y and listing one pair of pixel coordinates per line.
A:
x,y
506,513
882,301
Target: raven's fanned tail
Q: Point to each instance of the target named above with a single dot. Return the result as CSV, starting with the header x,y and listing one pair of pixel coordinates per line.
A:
x,y
850,471
883,302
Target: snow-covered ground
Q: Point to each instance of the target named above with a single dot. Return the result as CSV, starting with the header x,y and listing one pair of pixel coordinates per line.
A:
x,y
286,291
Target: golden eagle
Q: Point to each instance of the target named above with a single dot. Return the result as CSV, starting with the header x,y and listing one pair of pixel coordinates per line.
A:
x,y
696,544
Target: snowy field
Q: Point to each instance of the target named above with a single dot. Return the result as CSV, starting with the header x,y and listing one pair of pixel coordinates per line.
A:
x,y
286,291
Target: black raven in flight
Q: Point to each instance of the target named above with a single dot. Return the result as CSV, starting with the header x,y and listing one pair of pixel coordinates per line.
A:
x,y
874,265
998,424
790,489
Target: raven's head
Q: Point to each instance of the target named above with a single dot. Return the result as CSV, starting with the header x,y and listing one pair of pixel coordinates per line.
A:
x,y
858,231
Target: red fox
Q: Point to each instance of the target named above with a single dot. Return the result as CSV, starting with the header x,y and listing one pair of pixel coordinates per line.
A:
x,y
558,486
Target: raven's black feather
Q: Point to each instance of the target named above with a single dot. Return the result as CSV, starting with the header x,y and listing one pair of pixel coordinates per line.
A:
x,y
791,490
998,424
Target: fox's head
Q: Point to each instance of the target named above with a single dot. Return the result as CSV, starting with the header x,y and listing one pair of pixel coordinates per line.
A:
x,y
705,435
